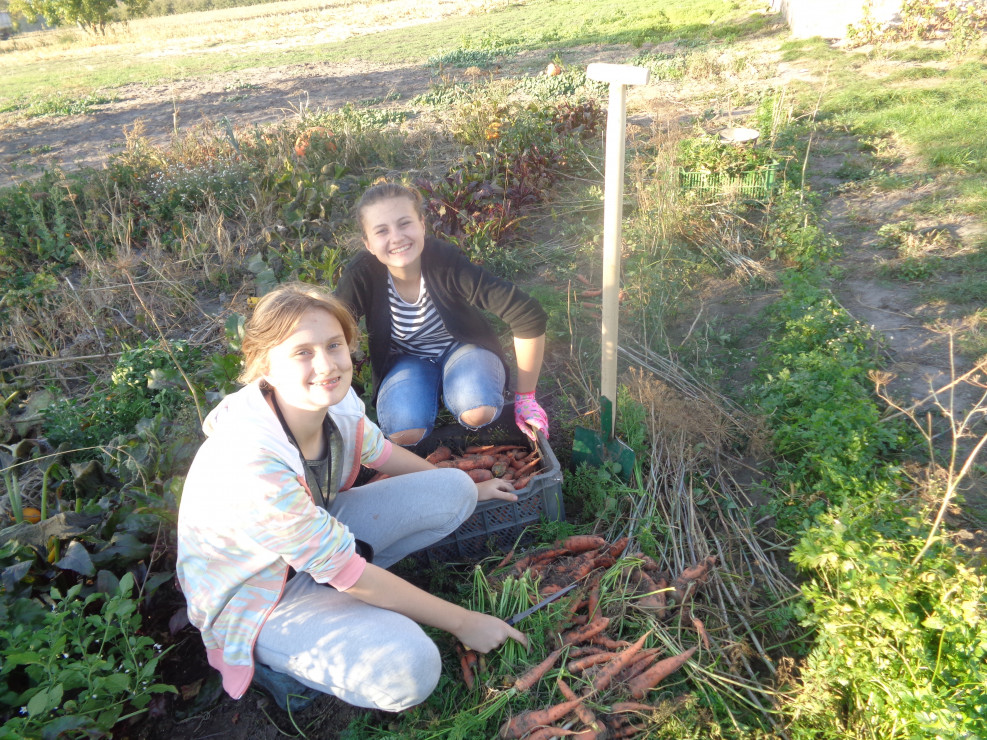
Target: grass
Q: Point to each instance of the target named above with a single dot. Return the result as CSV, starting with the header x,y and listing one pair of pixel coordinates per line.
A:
x,y
71,63
937,112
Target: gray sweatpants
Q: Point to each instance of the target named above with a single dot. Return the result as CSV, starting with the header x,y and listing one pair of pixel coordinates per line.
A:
x,y
367,656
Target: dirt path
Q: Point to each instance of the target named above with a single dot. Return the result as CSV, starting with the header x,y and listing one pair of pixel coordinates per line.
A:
x,y
246,98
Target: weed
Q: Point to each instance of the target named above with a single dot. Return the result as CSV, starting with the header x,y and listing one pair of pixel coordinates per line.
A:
x,y
80,666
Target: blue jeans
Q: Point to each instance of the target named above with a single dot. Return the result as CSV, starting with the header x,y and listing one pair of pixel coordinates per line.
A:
x,y
466,377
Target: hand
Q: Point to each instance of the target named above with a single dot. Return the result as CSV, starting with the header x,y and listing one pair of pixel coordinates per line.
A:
x,y
483,633
529,415
495,488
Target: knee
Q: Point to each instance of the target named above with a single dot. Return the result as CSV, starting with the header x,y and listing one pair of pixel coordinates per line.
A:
x,y
478,417
412,678
407,437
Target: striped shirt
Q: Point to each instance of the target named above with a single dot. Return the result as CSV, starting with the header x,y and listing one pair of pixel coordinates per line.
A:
x,y
416,328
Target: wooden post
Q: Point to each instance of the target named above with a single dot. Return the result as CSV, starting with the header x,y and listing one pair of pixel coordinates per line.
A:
x,y
619,76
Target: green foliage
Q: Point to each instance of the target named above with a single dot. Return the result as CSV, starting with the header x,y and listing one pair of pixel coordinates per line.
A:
x,y
792,232
814,390
61,104
959,22
91,15
144,383
78,667
900,649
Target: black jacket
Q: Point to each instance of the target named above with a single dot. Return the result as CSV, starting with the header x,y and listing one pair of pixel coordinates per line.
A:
x,y
458,288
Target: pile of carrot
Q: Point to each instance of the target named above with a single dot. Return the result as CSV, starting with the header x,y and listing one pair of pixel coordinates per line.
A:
x,y
509,462
608,669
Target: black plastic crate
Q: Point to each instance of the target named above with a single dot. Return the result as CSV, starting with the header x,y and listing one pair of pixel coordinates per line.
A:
x,y
496,526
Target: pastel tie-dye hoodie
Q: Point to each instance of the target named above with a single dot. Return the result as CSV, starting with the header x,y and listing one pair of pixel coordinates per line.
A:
x,y
246,515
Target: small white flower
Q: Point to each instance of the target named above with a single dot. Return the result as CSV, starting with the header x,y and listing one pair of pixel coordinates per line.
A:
x,y
23,710
157,646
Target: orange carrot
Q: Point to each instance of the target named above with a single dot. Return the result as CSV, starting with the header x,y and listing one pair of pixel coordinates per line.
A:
x,y
583,279
480,474
584,713
611,669
505,561
643,683
499,468
594,599
444,464
627,731
578,620
581,664
701,629
579,652
696,574
618,547
591,293
521,483
534,674
525,722
439,454
580,566
529,467
584,633
605,642
638,665
578,543
468,664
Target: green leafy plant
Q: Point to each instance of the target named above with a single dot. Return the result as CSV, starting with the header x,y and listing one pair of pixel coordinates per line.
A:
x,y
78,667
144,383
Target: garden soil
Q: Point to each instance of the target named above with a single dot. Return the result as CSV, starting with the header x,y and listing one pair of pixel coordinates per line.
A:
x,y
916,353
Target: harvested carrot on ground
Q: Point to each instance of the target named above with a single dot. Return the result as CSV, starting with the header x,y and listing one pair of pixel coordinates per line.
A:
x,y
581,664
581,634
641,663
528,721
581,566
594,599
642,684
582,711
579,652
530,677
615,666
696,574
627,731
618,547
439,454
701,629
578,543
605,642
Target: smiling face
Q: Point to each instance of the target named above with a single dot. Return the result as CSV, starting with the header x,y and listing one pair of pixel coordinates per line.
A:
x,y
311,369
394,232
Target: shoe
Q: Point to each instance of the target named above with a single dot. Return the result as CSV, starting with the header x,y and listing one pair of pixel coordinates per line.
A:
x,y
287,693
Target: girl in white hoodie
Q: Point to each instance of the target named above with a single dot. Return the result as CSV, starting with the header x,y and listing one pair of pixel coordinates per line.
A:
x,y
273,542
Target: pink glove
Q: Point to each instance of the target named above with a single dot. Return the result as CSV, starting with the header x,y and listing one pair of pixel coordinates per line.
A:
x,y
528,413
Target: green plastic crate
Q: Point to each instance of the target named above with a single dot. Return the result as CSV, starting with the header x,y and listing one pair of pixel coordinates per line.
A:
x,y
755,185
